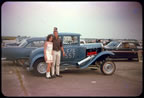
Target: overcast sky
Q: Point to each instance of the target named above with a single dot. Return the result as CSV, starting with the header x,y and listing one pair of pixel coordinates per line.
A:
x,y
91,19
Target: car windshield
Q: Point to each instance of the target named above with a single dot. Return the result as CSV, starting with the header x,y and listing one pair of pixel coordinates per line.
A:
x,y
113,44
23,43
68,40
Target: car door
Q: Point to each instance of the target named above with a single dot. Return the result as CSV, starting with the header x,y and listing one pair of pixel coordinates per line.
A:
x,y
11,53
134,50
124,51
71,48
31,46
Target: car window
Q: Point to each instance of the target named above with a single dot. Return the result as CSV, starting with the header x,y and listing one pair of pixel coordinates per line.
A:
x,y
59,37
113,44
68,40
125,45
35,44
23,43
132,45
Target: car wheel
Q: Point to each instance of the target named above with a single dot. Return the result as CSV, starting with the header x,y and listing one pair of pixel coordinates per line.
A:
x,y
40,67
108,67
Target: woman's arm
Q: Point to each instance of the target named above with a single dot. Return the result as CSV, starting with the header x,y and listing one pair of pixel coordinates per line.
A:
x,y
45,45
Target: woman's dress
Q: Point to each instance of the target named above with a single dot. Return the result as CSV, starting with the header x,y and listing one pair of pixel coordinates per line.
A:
x,y
49,49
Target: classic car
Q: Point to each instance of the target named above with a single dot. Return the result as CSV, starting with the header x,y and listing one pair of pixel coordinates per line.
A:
x,y
20,54
13,42
123,49
77,56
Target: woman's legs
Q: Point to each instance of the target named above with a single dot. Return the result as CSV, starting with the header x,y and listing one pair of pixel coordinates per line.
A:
x,y
48,70
48,67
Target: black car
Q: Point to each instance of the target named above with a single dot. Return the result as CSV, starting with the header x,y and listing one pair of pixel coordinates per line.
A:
x,y
124,49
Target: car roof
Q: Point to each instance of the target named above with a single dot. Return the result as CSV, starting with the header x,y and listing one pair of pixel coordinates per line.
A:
x,y
124,41
129,41
60,34
36,39
68,34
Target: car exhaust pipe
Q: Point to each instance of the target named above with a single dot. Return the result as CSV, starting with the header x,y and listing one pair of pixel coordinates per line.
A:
x,y
84,60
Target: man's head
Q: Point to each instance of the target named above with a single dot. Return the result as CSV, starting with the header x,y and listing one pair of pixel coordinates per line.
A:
x,y
55,28
55,33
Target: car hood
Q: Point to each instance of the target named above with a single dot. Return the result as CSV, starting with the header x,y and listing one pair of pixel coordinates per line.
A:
x,y
10,46
106,47
92,45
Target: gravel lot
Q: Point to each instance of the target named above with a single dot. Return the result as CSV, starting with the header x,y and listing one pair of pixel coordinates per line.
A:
x,y
126,81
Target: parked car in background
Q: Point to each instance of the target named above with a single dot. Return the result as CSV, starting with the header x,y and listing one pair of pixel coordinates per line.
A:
x,y
123,49
141,43
21,53
11,44
82,42
15,42
77,56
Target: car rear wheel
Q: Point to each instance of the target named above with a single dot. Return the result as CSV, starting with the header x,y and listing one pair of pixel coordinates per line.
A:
x,y
40,67
108,67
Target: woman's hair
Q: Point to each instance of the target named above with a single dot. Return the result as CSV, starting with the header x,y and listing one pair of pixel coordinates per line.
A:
x,y
49,36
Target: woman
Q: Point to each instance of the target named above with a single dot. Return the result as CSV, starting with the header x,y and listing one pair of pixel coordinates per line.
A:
x,y
48,54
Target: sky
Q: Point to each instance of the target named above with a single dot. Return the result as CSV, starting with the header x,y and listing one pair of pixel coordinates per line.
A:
x,y
118,20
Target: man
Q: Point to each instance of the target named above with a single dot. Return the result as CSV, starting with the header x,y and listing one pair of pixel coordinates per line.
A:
x,y
57,46
55,28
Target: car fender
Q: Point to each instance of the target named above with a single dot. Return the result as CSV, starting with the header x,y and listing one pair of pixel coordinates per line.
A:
x,y
35,58
96,58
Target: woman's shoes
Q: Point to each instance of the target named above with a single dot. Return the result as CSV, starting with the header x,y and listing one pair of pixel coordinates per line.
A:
x,y
59,76
48,76
53,76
